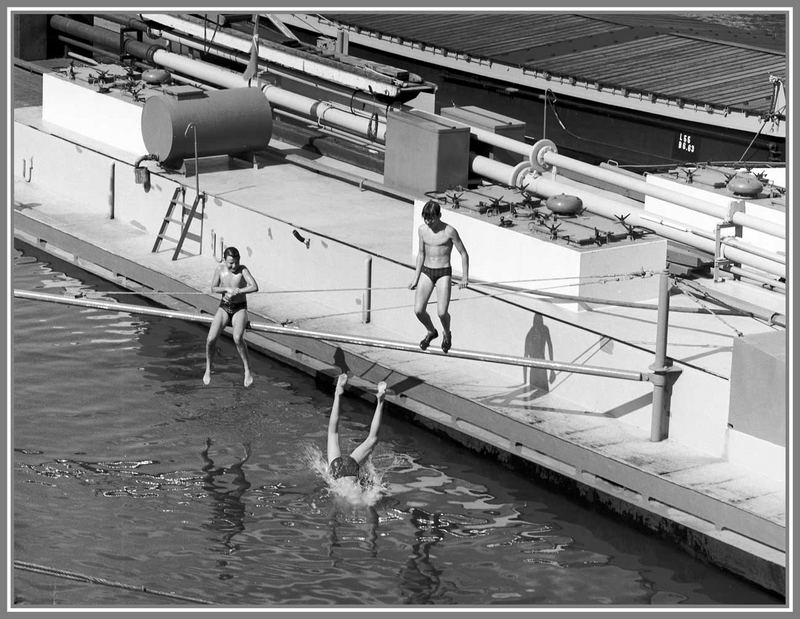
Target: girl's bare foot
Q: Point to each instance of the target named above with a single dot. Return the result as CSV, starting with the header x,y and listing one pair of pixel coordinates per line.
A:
x,y
381,390
248,379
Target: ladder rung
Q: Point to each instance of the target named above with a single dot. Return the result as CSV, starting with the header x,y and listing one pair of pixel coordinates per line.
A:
x,y
192,236
172,220
164,237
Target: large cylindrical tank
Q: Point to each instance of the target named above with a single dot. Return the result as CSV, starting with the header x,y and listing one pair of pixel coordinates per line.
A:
x,y
228,122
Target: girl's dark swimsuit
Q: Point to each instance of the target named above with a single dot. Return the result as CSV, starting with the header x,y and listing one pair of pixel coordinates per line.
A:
x,y
435,274
344,466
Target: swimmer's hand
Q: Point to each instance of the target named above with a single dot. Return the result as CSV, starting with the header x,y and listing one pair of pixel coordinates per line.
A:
x,y
464,282
412,285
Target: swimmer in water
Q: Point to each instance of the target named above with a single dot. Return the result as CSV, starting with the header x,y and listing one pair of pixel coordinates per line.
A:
x,y
348,466
233,281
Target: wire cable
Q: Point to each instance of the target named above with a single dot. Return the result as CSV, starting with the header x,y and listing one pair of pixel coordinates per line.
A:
x,y
59,573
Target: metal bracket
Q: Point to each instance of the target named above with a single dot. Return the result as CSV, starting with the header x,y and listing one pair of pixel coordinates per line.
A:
x,y
720,262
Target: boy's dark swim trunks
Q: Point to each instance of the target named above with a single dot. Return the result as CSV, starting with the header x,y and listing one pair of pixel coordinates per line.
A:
x,y
344,466
232,308
435,274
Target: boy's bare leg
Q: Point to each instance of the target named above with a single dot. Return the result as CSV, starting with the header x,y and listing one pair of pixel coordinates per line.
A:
x,y
443,301
333,422
211,343
239,323
423,295
361,452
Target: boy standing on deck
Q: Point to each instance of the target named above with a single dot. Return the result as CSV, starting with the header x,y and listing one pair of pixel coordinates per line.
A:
x,y
234,281
436,242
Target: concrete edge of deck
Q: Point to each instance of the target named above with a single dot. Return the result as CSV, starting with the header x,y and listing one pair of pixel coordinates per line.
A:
x,y
571,468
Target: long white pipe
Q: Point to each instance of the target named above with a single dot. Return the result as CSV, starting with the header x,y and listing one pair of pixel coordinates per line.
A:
x,y
236,56
552,158
338,337
612,208
380,85
732,241
677,231
322,111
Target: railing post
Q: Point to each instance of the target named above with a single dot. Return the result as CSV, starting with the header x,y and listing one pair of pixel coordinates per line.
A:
x,y
111,190
366,306
663,375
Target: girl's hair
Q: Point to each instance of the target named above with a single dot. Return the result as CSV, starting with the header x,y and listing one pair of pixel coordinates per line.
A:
x,y
431,209
232,252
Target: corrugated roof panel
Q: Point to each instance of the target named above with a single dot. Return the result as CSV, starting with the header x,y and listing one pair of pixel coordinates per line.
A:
x,y
671,55
478,34
698,70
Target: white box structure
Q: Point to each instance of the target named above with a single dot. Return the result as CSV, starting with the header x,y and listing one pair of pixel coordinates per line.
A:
x,y
79,107
553,266
708,223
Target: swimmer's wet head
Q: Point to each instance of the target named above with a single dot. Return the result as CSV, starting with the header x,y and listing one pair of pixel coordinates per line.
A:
x,y
231,257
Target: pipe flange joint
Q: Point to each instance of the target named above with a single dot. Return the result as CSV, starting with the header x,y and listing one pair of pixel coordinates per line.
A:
x,y
519,172
538,151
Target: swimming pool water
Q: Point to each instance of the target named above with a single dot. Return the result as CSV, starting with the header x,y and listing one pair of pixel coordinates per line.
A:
x,y
128,470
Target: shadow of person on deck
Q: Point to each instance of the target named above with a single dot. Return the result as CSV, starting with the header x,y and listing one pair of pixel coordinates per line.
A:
x,y
537,343
228,508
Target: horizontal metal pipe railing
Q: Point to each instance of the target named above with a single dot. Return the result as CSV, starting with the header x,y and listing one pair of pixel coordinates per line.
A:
x,y
336,337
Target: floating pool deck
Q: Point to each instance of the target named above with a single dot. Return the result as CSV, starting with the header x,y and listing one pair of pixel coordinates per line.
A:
x,y
313,229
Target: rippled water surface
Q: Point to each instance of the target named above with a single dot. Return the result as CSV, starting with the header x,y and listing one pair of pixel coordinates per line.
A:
x,y
128,470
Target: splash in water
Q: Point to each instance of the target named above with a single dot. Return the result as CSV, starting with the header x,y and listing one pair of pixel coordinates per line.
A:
x,y
365,492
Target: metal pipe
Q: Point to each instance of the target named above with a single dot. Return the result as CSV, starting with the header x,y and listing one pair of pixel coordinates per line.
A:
x,y
333,131
667,228
347,339
755,277
320,111
738,243
313,108
367,301
124,20
500,141
111,190
104,37
659,421
300,62
90,61
209,48
546,154
102,53
596,201
193,127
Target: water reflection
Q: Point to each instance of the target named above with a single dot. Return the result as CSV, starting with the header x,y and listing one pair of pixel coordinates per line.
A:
x,y
338,510
228,508
419,578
